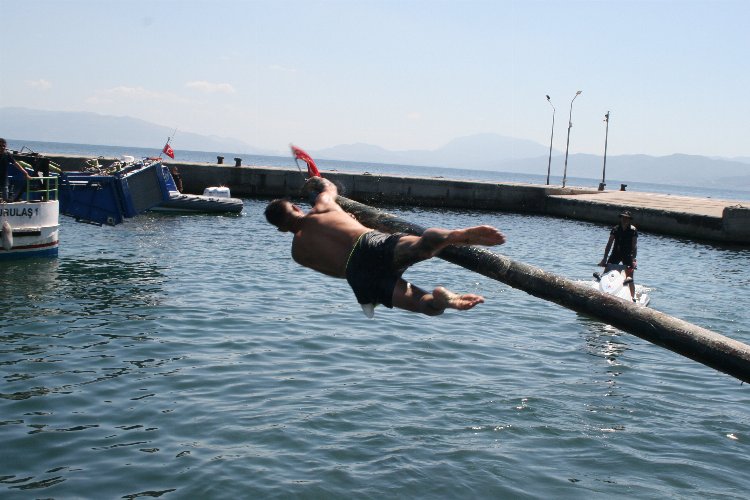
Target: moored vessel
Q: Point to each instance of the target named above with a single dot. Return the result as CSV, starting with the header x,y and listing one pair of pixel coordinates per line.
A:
x,y
30,227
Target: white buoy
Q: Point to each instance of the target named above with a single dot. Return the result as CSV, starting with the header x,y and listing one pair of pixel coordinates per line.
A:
x,y
7,236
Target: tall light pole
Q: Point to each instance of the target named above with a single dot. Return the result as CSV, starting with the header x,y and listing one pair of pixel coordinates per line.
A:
x,y
552,134
570,124
604,167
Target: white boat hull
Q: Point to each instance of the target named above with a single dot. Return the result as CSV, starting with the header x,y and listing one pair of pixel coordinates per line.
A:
x,y
34,229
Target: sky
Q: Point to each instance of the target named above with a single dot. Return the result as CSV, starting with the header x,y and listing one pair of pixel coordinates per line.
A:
x,y
403,74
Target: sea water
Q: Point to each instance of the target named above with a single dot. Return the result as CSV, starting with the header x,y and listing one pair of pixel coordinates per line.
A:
x,y
188,356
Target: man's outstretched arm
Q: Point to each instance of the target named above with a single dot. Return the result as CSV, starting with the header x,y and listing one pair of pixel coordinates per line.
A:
x,y
322,194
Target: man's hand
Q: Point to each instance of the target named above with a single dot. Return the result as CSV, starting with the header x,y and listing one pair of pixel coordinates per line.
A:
x,y
316,185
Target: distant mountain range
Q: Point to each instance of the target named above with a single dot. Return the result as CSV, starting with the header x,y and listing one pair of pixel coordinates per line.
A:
x,y
490,152
478,152
676,169
92,128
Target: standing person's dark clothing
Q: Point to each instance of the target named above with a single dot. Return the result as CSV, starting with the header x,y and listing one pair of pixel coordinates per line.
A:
x,y
624,248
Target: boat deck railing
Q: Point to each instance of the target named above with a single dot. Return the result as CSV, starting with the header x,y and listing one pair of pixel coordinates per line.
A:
x,y
41,188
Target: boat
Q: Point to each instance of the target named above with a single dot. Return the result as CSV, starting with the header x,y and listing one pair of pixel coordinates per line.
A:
x,y
109,195
215,199
30,227
613,281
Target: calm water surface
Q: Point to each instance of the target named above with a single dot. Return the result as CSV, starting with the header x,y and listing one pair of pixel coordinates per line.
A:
x,y
189,357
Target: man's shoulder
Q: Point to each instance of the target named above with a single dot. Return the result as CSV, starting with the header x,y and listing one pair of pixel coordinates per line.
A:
x,y
324,216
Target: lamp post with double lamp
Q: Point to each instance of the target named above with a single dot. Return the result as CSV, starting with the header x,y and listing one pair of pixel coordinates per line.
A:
x,y
552,134
604,167
570,125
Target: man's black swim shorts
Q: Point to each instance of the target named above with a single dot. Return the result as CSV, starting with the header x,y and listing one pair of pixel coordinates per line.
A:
x,y
370,270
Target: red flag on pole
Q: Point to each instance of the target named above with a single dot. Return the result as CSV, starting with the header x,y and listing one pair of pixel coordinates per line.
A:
x,y
312,170
168,150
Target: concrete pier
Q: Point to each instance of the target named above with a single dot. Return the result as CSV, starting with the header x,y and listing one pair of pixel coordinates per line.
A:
x,y
724,221
710,219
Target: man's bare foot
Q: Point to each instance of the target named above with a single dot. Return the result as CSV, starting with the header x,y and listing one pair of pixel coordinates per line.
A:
x,y
478,235
445,299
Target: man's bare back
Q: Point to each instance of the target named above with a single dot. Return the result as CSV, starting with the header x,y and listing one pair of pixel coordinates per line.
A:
x,y
324,241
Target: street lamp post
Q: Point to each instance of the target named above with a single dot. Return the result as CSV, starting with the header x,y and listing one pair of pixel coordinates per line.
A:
x,y
552,134
570,124
604,167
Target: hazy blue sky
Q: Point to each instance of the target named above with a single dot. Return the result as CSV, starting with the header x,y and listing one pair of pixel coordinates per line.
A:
x,y
404,74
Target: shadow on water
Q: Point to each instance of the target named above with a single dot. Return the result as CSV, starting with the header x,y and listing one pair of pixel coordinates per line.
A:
x,y
99,284
85,286
27,278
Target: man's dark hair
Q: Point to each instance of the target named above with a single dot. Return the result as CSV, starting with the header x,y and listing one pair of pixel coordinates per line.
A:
x,y
276,211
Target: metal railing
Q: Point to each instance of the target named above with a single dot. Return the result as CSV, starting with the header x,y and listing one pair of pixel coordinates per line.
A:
x,y
47,192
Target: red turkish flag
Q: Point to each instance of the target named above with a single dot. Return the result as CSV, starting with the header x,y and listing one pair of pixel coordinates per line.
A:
x,y
312,169
168,150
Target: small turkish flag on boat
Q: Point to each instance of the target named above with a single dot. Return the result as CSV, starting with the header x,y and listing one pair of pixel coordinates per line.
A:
x,y
168,150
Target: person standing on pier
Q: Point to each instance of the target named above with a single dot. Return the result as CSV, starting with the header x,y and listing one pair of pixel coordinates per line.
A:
x,y
331,241
623,241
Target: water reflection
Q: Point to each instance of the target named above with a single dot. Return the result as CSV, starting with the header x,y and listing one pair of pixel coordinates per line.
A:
x,y
603,340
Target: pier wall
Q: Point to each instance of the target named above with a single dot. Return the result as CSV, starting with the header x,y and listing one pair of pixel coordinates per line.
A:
x,y
659,221
736,222
377,188
733,226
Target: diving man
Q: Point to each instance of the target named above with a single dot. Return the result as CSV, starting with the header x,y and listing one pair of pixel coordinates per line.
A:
x,y
329,240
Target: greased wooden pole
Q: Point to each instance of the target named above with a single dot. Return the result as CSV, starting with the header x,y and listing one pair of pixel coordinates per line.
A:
x,y
712,349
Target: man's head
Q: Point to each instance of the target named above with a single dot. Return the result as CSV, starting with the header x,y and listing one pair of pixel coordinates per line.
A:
x,y
282,213
625,218
3,144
